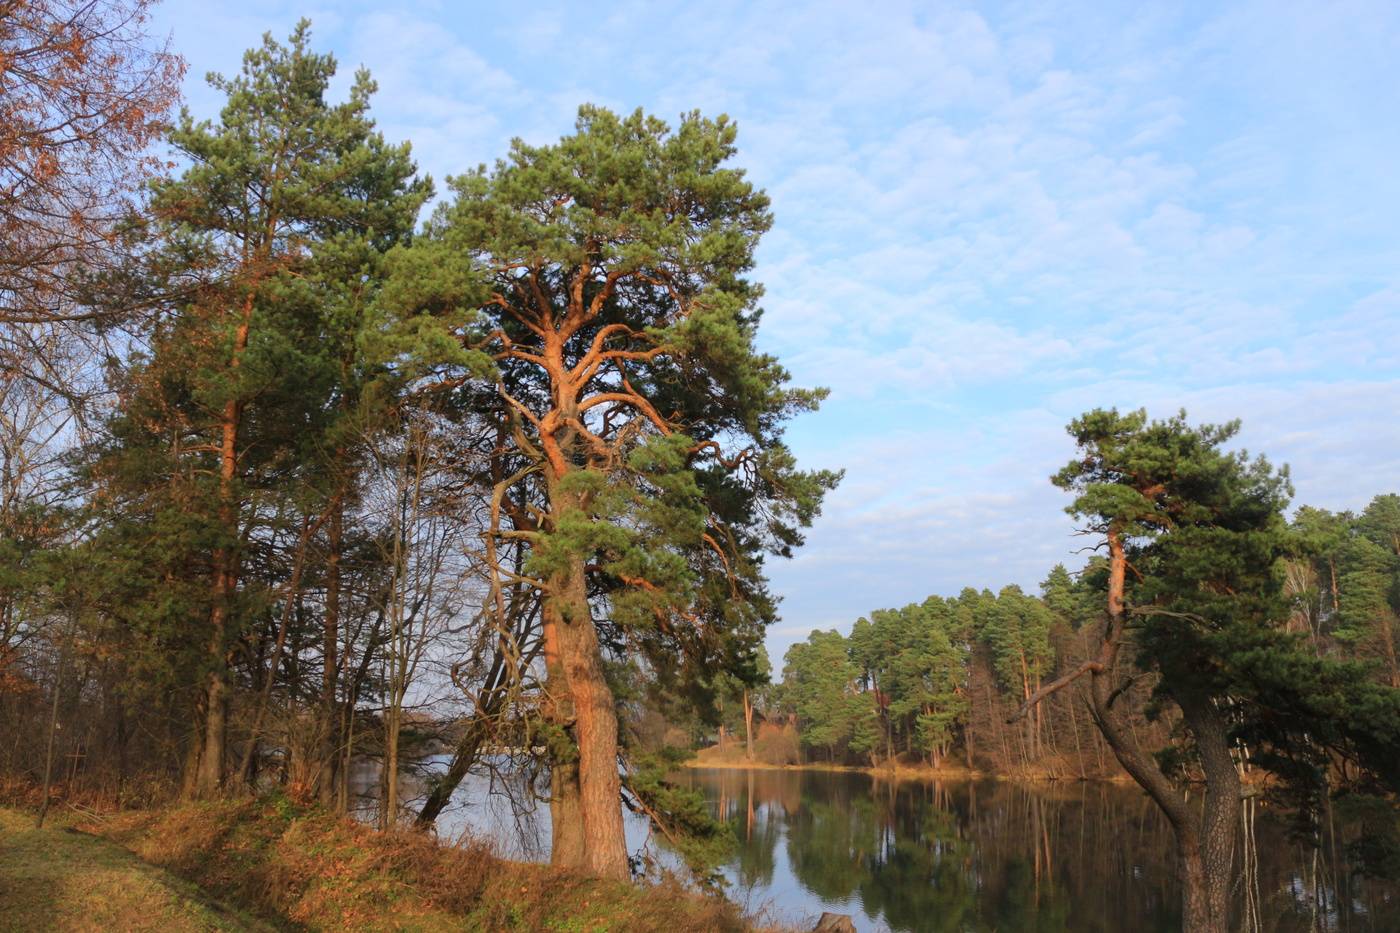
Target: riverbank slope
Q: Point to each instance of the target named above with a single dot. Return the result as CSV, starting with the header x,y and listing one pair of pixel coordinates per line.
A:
x,y
270,864
58,879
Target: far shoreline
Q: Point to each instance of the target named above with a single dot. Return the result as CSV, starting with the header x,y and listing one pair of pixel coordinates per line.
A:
x,y
900,772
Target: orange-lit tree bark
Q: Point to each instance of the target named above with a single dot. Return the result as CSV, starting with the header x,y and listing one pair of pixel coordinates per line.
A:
x,y
647,472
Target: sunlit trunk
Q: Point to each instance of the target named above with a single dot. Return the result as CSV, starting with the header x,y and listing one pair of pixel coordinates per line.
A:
x,y
1204,846
210,777
595,730
566,819
748,725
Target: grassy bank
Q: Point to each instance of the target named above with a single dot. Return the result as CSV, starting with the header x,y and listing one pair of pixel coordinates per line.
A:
x,y
285,867
58,879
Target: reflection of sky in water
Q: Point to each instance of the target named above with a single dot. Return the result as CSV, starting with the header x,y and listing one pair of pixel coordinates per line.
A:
x,y
931,856
497,806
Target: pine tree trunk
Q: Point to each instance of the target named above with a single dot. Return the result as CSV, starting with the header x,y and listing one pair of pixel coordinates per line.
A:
x,y
1195,896
210,779
567,848
1221,816
595,730
748,725
968,748
1202,883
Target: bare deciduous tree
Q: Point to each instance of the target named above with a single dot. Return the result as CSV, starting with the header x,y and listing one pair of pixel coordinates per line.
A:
x,y
84,91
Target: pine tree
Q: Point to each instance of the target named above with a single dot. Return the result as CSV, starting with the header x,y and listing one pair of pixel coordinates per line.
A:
x,y
820,687
1196,541
641,459
263,247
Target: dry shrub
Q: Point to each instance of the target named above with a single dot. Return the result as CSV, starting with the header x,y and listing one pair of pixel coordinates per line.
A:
x,y
776,745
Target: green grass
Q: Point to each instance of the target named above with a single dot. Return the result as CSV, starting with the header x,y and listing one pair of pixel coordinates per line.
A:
x,y
60,879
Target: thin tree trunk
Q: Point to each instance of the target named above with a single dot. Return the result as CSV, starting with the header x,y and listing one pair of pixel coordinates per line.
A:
x,y
392,724
468,747
1078,747
53,731
748,725
1388,636
279,646
968,750
329,731
210,778
463,757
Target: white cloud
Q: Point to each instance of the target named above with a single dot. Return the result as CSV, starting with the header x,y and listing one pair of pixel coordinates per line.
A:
x,y
988,220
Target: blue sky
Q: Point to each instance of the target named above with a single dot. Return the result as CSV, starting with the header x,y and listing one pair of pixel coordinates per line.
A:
x,y
989,219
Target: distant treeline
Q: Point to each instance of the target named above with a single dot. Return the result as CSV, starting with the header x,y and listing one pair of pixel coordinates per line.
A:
x,y
935,682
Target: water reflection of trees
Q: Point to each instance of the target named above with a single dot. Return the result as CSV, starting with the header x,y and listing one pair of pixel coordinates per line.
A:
x,y
997,855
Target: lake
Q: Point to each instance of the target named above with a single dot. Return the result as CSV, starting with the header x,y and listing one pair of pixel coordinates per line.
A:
x,y
961,855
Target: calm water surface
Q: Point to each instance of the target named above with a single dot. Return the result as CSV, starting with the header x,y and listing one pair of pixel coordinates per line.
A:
x,y
954,856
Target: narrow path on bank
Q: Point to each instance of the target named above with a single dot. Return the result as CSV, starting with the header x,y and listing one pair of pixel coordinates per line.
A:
x,y
57,878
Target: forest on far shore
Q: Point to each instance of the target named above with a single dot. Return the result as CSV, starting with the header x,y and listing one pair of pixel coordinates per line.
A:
x,y
933,684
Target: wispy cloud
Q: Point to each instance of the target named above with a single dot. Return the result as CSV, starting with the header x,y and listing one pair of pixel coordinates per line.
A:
x,y
988,219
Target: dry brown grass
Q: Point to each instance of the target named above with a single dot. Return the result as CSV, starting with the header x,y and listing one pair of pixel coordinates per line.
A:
x,y
303,868
57,879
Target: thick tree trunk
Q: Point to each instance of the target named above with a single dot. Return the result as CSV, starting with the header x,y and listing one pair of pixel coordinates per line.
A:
x,y
209,780
567,846
595,730
1221,816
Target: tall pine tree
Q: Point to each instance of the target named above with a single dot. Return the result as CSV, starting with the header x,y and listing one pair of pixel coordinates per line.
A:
x,y
263,247
641,458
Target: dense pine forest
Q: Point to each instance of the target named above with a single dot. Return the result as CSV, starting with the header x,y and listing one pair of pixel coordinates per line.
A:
x,y
311,464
